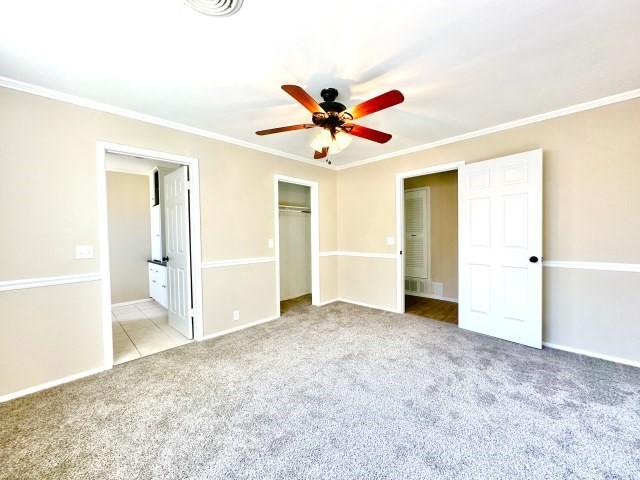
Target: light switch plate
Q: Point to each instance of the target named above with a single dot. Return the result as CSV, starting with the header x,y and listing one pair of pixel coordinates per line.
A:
x,y
84,251
270,243
391,240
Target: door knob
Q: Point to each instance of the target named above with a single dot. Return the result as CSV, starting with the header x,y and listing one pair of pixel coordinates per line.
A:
x,y
166,259
533,259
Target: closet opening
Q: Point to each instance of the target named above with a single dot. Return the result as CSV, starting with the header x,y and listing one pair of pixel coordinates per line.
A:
x,y
294,216
430,240
297,244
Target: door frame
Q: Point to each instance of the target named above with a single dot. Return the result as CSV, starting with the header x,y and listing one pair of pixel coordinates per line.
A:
x,y
315,235
102,149
400,177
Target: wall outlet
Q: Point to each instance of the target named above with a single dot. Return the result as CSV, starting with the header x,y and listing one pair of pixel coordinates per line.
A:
x,y
84,251
270,243
236,315
391,240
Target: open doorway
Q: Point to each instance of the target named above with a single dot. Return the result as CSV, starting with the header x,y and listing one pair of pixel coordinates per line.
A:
x,y
297,243
151,287
294,218
430,245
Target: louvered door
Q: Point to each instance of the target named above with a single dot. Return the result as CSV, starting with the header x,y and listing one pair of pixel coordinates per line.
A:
x,y
416,233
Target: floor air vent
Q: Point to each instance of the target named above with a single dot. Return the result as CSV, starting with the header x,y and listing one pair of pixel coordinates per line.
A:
x,y
217,8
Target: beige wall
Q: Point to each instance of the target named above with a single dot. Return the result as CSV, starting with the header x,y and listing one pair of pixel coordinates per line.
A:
x,y
443,193
49,333
591,205
129,235
49,203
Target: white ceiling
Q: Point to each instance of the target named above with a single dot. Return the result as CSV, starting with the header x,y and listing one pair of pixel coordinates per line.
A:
x,y
462,65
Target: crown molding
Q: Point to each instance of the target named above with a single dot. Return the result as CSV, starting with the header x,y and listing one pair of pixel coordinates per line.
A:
x,y
123,112
143,117
581,107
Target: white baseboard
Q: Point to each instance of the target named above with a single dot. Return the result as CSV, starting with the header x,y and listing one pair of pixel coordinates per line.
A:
x,y
132,302
51,384
368,305
429,295
237,329
588,353
327,302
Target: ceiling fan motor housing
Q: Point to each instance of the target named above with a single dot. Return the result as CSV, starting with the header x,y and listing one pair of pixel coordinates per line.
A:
x,y
330,105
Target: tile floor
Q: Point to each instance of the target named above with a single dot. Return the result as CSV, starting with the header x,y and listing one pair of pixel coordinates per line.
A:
x,y
140,330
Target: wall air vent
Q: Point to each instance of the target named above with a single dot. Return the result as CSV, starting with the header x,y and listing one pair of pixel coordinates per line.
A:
x,y
217,8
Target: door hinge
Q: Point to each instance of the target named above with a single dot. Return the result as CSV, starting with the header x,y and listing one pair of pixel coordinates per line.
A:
x,y
188,185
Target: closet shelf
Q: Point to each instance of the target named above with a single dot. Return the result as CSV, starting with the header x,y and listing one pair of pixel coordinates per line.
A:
x,y
294,208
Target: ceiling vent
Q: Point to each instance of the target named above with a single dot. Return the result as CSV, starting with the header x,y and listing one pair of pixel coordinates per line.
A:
x,y
217,8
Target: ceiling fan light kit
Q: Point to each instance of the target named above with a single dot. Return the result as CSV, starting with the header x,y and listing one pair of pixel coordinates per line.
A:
x,y
335,119
215,8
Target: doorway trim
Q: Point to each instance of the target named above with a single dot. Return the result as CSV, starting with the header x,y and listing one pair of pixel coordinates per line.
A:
x,y
400,177
315,235
102,149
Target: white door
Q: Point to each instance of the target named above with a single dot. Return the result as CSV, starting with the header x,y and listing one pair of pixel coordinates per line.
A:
x,y
501,248
416,233
176,204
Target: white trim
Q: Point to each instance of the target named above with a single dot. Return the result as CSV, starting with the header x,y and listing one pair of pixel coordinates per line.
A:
x,y
23,283
605,266
400,177
102,148
588,353
357,254
103,107
236,261
132,302
368,305
581,107
143,117
434,297
315,233
327,302
237,329
51,384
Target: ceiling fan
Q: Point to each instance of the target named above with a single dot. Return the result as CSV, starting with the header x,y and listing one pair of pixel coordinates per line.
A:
x,y
335,119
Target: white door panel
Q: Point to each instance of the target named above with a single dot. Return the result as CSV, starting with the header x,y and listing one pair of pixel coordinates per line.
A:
x,y
176,200
501,228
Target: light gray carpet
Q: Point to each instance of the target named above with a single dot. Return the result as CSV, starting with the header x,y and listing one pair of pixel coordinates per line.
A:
x,y
335,392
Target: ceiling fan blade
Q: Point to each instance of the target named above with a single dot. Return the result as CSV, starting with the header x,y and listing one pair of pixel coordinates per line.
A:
x,y
302,126
318,155
386,100
303,97
368,133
